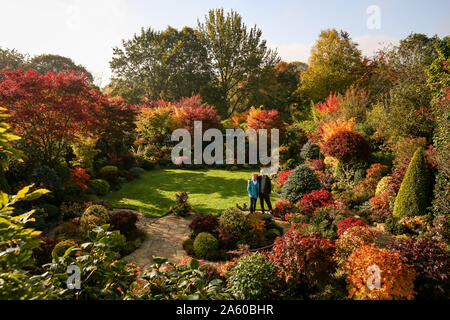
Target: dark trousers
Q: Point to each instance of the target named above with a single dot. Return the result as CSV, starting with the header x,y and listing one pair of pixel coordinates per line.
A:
x,y
253,204
265,197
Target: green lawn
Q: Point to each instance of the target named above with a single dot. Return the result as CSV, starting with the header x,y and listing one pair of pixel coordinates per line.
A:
x,y
210,191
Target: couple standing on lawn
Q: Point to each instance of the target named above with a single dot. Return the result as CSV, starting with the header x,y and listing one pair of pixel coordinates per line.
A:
x,y
259,186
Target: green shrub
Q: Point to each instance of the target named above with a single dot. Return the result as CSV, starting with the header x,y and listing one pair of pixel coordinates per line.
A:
x,y
383,185
234,219
301,181
91,197
45,177
393,226
383,158
205,243
61,247
93,216
188,246
109,173
292,163
136,171
99,186
310,150
51,210
338,172
252,277
412,197
127,175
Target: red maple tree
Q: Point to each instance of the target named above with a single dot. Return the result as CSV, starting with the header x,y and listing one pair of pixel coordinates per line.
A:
x,y
49,110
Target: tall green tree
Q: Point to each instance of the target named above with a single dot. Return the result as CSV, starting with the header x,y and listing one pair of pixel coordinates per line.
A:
x,y
55,63
439,83
12,59
236,54
403,107
157,65
275,88
335,63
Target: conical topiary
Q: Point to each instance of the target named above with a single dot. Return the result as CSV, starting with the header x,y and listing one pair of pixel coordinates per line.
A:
x,y
412,197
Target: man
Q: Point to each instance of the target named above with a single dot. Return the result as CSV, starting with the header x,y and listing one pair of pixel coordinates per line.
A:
x,y
265,188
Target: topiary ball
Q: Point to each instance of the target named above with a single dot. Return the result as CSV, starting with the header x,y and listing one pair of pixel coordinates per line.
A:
x,y
205,243
252,277
234,219
109,173
61,247
93,216
99,186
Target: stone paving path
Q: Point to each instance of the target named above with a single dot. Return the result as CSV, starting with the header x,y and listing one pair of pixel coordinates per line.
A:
x,y
164,239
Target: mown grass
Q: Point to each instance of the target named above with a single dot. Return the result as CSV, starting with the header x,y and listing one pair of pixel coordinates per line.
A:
x,y
210,190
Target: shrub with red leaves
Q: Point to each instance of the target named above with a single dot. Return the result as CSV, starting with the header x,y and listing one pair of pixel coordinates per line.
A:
x,y
303,260
282,207
124,221
188,110
373,176
314,200
283,177
347,145
318,164
207,223
326,180
49,110
226,237
397,177
380,208
431,262
344,224
79,177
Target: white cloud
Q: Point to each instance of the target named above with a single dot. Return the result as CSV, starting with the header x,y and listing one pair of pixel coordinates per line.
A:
x,y
368,44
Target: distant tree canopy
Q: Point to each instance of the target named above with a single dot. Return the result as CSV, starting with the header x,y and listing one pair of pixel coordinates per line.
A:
x,y
403,107
157,65
56,63
335,63
237,56
13,60
220,60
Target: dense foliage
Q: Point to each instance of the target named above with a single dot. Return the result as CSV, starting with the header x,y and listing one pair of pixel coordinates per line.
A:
x,y
396,277
301,181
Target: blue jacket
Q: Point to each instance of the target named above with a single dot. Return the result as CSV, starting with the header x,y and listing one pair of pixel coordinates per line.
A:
x,y
253,189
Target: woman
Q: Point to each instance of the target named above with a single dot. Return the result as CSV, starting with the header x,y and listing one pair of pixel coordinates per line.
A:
x,y
253,191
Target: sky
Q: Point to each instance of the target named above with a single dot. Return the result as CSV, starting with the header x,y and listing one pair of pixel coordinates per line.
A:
x,y
87,30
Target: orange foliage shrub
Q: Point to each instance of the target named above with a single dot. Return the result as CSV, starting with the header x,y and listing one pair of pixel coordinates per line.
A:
x,y
352,239
373,176
265,119
397,277
238,119
327,129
